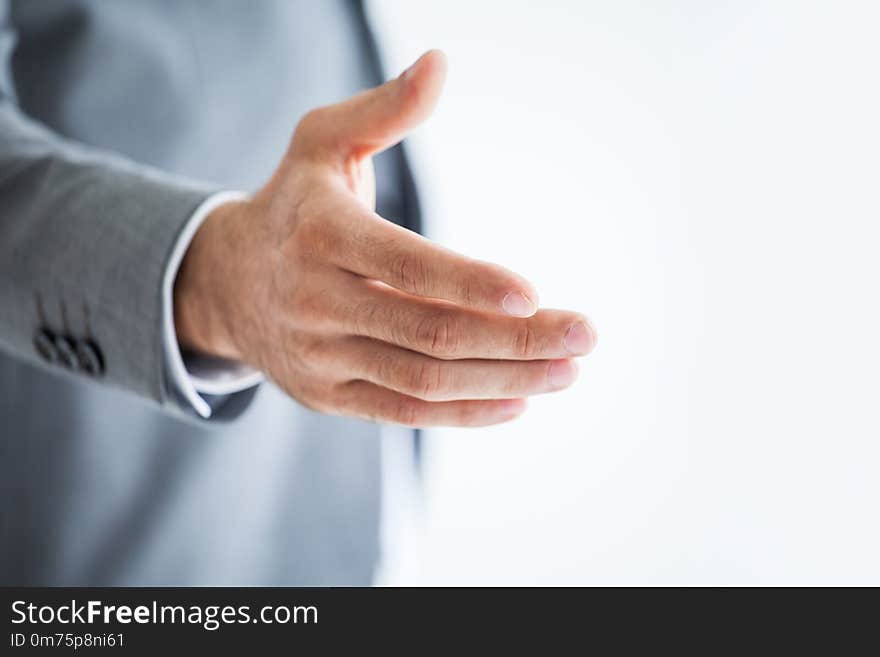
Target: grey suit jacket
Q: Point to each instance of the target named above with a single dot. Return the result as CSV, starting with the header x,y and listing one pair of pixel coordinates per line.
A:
x,y
116,120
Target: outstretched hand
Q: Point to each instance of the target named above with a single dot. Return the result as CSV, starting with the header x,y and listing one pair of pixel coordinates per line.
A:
x,y
354,315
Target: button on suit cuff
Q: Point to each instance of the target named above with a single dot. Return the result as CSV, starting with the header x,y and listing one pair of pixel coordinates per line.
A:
x,y
194,375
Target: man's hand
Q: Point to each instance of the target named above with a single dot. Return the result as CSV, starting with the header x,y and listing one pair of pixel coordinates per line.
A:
x,y
353,315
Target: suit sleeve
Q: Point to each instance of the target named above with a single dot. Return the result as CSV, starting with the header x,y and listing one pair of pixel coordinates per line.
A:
x,y
85,240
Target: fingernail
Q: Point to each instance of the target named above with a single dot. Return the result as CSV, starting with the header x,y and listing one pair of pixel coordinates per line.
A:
x,y
562,374
518,305
579,339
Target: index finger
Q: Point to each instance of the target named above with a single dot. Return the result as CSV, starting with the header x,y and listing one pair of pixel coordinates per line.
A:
x,y
375,248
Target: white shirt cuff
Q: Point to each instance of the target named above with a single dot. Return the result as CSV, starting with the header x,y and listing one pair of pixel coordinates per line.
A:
x,y
199,374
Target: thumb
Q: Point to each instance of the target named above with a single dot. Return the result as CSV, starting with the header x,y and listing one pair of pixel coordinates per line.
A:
x,y
378,118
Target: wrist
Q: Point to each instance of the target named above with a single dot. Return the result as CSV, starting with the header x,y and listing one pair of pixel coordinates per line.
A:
x,y
201,293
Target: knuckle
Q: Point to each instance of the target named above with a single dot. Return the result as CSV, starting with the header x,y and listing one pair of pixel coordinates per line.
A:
x,y
427,380
436,334
523,377
312,235
312,354
308,351
406,412
311,133
315,399
467,290
311,121
365,315
525,340
316,404
307,309
386,369
410,273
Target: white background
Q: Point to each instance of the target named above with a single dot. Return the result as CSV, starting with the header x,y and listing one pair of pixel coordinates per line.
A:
x,y
703,180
